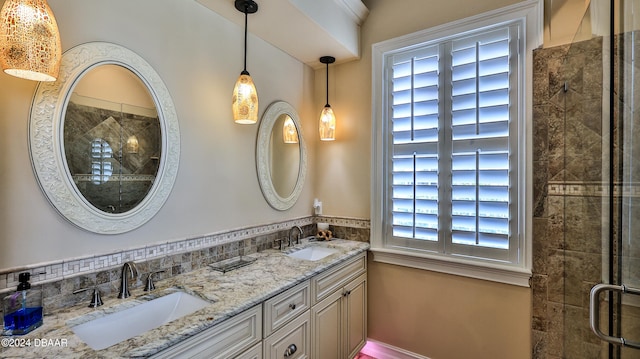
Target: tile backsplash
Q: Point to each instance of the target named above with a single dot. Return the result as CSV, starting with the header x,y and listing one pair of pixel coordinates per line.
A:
x,y
60,279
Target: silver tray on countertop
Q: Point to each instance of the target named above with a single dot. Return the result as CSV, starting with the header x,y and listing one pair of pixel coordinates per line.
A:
x,y
228,265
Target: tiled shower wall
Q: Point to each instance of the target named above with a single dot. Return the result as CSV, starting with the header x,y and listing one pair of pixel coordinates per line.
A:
x,y
568,189
59,280
571,193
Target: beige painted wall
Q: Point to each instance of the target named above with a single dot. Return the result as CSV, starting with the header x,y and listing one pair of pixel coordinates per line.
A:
x,y
435,315
567,21
447,317
198,54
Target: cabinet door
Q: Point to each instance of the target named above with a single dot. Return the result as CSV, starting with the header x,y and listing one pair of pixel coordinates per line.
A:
x,y
355,311
326,327
291,341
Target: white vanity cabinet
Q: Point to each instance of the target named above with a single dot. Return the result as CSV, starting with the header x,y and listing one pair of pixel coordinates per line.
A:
x,y
225,340
291,341
321,318
355,317
339,315
287,323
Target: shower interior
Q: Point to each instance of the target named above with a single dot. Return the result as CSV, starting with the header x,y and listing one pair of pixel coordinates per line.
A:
x,y
586,181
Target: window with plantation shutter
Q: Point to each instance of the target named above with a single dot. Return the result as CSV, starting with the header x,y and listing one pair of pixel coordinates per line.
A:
x,y
447,149
451,110
483,119
415,124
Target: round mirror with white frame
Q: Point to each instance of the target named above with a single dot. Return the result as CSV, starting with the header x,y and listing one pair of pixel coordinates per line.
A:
x,y
281,155
105,156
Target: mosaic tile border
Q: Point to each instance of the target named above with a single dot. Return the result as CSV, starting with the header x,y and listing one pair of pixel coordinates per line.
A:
x,y
114,177
43,273
343,221
592,189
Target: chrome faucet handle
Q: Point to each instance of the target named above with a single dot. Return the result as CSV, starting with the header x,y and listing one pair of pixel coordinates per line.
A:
x,y
96,300
279,243
150,285
124,284
299,235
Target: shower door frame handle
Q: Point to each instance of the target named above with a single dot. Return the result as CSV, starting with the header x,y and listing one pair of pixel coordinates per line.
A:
x,y
594,313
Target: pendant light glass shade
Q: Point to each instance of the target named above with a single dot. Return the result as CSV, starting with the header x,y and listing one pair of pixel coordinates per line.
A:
x,y
132,144
327,117
289,131
245,100
245,96
29,40
327,124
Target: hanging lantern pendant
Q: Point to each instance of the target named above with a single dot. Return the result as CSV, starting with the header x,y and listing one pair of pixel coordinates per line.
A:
x,y
245,96
29,40
327,124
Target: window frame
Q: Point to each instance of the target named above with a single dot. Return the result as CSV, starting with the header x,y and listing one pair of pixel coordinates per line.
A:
x,y
519,273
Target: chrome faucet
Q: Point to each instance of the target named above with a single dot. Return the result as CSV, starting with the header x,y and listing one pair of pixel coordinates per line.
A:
x,y
150,285
96,300
299,235
124,284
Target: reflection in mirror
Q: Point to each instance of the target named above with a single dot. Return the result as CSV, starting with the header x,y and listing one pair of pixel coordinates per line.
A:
x,y
289,130
281,158
284,155
112,148
104,139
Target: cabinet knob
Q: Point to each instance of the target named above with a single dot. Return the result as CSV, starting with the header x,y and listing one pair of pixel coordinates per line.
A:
x,y
346,293
291,349
292,306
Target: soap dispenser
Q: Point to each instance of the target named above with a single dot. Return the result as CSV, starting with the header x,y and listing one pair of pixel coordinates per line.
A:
x,y
22,310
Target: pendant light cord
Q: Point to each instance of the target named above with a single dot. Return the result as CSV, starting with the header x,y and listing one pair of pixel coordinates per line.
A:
x,y
246,15
327,86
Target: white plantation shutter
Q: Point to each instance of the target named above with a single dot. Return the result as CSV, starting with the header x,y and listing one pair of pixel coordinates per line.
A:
x,y
452,147
415,109
101,167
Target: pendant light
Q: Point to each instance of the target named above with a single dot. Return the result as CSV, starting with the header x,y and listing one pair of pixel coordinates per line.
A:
x,y
327,118
245,96
132,144
289,131
29,40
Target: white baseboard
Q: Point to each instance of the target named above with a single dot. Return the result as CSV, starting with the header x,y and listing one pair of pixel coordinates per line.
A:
x,y
381,350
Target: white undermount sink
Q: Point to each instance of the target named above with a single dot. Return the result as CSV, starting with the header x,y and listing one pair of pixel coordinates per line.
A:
x,y
313,253
111,329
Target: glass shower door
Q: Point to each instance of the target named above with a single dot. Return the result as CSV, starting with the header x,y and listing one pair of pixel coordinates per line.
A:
x,y
615,303
586,159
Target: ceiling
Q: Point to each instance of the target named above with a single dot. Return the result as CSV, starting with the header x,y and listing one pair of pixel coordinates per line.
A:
x,y
305,29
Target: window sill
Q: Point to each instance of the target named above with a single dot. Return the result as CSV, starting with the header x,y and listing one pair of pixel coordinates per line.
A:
x,y
485,271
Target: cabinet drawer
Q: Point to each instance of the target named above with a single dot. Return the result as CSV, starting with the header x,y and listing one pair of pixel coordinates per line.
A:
x,y
224,340
254,352
292,341
333,279
285,306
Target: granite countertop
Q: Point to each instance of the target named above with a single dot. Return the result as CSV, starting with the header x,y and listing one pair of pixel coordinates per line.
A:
x,y
229,293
